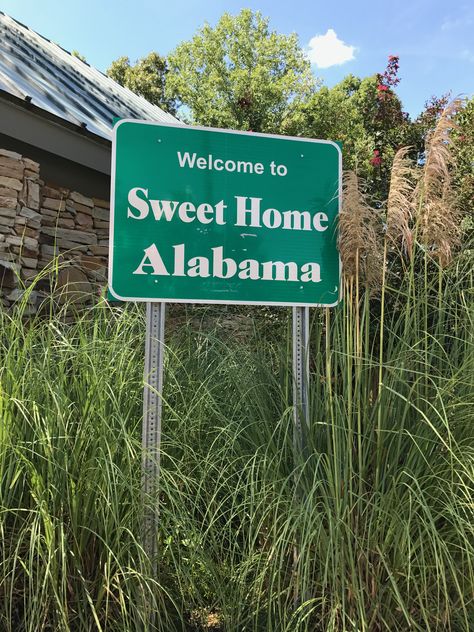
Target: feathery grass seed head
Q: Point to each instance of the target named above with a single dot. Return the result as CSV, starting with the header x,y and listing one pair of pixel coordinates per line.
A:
x,y
439,219
400,201
359,239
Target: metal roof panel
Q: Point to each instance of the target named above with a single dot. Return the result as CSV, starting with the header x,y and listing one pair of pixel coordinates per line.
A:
x,y
33,67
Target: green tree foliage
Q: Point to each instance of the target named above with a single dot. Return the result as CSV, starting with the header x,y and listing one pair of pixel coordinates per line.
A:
x,y
333,113
241,75
424,123
147,78
464,156
366,116
463,148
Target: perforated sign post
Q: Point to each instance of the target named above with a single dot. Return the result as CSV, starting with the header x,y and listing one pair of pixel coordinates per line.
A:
x,y
200,215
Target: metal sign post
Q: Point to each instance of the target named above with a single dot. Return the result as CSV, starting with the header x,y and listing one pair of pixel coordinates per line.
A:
x,y
151,431
300,409
201,215
300,379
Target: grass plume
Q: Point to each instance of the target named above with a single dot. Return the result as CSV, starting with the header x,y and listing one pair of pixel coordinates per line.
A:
x,y
359,239
439,219
400,203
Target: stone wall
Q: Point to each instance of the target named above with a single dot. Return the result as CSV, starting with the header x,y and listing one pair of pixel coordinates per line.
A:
x,y
41,223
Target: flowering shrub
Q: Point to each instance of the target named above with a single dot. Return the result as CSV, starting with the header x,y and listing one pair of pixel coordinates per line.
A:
x,y
376,160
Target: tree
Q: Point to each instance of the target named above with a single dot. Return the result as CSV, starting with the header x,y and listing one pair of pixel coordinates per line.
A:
x,y
425,123
333,114
462,137
147,78
464,162
240,74
366,116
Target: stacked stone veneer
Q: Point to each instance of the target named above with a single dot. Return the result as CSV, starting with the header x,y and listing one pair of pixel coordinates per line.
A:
x,y
41,223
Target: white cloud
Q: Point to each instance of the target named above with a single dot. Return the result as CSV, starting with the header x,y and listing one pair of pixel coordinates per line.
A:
x,y
328,50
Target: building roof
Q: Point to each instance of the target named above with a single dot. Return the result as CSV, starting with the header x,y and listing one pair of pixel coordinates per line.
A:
x,y
39,72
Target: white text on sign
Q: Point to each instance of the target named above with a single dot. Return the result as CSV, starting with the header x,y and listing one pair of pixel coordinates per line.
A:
x,y
247,213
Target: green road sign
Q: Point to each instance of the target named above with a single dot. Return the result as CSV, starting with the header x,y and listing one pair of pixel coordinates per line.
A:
x,y
203,215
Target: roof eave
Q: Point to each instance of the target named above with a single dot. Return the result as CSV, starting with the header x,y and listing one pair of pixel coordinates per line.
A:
x,y
26,122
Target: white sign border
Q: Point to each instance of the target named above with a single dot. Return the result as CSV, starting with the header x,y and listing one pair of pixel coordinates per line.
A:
x,y
201,301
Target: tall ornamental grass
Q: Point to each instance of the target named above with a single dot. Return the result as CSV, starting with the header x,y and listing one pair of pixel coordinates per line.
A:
x,y
369,528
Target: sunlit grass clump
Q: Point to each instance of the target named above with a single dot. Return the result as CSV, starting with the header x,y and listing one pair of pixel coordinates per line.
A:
x,y
370,528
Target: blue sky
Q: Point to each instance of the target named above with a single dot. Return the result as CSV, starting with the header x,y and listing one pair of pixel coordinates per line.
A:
x,y
434,39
